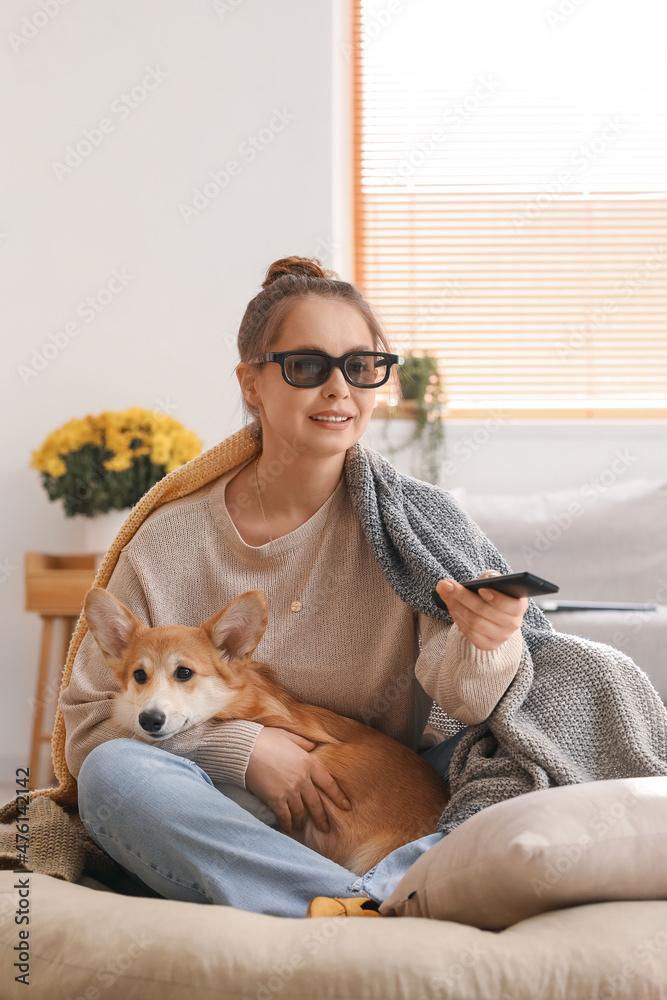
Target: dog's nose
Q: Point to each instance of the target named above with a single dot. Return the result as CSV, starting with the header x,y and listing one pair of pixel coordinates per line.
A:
x,y
152,722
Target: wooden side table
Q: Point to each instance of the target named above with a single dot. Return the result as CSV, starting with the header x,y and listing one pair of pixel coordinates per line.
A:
x,y
55,587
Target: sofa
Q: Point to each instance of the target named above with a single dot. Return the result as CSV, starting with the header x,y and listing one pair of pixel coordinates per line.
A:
x,y
560,894
596,543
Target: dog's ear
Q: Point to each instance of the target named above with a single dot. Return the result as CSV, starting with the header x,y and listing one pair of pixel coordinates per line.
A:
x,y
110,622
236,630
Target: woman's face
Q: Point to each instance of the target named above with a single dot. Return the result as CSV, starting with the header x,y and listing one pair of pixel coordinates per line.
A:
x,y
288,411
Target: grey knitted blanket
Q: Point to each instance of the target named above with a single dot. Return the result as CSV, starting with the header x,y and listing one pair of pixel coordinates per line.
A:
x,y
577,710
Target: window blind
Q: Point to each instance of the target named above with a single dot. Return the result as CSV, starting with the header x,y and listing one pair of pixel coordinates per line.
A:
x,y
510,207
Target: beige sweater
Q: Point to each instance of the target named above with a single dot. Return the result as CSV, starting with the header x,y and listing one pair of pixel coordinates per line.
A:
x,y
354,648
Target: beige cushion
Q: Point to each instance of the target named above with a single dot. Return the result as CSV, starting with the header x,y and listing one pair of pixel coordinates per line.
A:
x,y
104,946
600,840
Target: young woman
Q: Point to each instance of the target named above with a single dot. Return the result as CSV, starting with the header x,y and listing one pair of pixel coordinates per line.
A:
x,y
312,354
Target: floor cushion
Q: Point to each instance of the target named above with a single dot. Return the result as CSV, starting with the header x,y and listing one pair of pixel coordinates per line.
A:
x,y
105,946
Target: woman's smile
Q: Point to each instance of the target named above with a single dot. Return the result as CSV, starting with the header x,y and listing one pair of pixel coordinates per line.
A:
x,y
332,419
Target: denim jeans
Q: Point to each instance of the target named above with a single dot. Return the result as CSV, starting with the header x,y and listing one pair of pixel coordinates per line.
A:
x,y
160,816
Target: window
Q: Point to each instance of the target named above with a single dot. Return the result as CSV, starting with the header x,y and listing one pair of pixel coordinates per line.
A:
x,y
510,198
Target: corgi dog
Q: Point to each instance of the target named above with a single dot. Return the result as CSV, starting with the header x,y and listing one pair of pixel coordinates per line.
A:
x,y
173,677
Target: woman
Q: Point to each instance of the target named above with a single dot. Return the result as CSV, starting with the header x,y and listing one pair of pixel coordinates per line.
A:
x,y
338,634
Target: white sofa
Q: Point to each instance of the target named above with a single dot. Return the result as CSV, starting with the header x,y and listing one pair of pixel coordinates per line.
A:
x,y
89,942
602,544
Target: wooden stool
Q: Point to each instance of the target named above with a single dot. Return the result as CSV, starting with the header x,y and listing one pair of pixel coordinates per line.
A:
x,y
55,587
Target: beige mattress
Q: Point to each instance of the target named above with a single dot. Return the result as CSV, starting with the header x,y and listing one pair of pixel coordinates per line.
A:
x,y
100,945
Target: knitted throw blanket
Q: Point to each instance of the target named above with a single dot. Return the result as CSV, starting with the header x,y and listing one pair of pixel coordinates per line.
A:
x,y
576,710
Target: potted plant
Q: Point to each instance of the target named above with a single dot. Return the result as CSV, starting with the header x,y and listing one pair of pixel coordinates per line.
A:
x,y
419,379
100,466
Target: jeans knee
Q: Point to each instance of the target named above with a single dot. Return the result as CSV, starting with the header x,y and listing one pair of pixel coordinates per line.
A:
x,y
122,775
108,758
110,775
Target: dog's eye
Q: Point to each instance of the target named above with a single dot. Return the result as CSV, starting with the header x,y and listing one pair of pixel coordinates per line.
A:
x,y
183,673
140,676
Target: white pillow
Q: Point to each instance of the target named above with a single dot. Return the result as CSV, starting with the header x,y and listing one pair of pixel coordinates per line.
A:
x,y
557,847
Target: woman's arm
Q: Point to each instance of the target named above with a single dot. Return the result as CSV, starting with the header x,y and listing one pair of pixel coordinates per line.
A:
x,y
222,748
465,681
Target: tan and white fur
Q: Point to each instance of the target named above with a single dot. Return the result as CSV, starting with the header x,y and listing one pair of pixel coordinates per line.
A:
x,y
173,677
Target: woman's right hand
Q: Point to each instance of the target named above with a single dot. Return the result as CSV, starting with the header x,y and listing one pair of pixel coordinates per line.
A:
x,y
284,775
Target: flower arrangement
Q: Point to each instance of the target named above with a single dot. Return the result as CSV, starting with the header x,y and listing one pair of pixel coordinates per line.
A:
x,y
107,462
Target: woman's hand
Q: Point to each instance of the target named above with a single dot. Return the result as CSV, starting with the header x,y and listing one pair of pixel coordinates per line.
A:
x,y
282,773
487,618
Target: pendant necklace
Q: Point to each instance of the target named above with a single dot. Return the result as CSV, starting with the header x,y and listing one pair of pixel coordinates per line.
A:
x,y
296,604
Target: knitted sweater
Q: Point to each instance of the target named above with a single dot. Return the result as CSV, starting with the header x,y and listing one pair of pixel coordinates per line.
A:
x,y
353,648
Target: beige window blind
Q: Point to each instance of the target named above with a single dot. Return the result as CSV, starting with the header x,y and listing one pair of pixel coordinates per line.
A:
x,y
510,203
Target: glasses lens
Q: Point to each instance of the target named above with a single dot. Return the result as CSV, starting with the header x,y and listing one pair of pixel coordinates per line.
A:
x,y
367,369
305,369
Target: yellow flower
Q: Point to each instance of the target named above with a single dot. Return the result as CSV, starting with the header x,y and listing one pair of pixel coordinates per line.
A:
x,y
70,437
161,449
159,435
55,467
118,463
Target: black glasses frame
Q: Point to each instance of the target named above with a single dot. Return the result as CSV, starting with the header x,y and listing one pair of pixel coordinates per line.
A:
x,y
340,362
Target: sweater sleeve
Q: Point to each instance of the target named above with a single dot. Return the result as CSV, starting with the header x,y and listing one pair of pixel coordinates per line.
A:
x,y
465,681
222,748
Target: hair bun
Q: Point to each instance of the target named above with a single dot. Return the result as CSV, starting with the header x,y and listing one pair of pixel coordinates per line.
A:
x,y
300,266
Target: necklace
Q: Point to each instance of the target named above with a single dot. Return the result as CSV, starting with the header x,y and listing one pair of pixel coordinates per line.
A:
x,y
296,604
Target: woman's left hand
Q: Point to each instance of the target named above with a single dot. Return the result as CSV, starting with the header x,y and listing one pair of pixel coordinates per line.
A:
x,y
487,618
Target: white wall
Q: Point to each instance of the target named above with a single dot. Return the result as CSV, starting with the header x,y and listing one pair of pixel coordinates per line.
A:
x,y
219,71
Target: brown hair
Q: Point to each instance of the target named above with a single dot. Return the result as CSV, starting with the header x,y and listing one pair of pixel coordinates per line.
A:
x,y
288,280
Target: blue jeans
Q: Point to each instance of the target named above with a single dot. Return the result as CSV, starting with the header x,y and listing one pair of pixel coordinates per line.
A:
x,y
161,818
